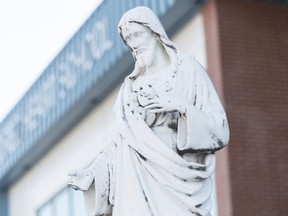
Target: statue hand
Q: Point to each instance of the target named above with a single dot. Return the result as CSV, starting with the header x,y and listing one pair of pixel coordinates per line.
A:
x,y
166,104
81,179
77,173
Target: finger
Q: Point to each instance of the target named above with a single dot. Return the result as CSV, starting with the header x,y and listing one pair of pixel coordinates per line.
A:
x,y
153,101
149,102
73,173
153,106
157,110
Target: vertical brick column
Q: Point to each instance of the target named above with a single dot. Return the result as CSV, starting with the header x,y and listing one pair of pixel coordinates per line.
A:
x,y
253,38
210,14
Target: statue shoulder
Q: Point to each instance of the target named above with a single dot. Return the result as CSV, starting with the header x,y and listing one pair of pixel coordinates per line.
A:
x,y
186,60
187,63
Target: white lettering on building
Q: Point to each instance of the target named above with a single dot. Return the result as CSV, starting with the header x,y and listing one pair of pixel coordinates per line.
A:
x,y
56,87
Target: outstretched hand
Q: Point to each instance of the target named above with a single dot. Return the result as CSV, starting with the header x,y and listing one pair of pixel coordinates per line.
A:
x,y
77,173
81,179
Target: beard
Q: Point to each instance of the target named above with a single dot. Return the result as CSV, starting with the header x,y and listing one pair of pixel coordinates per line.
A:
x,y
144,60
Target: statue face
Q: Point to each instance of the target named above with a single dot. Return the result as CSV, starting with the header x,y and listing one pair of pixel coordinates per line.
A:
x,y
142,43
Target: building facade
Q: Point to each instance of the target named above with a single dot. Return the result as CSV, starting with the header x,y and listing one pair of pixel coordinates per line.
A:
x,y
65,118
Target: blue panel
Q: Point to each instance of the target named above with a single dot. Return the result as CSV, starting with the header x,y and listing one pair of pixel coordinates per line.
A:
x,y
4,203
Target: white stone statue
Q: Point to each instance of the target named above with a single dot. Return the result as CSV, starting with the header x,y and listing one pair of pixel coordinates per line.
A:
x,y
169,125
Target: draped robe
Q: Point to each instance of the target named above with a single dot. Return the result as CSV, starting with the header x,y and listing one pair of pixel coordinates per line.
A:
x,y
137,174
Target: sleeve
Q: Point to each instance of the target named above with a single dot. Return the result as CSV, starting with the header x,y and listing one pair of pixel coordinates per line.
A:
x,y
98,183
203,127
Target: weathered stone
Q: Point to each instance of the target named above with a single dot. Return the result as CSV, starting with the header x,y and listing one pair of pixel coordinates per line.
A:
x,y
170,122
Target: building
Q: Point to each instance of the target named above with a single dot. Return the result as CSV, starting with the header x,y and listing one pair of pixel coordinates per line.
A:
x,y
65,117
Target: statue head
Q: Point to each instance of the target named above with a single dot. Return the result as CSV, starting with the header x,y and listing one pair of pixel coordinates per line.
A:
x,y
142,43
141,29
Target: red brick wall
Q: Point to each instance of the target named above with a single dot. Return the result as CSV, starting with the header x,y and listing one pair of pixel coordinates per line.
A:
x,y
253,40
224,200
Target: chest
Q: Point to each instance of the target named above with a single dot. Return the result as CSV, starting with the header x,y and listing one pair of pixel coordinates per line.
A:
x,y
152,86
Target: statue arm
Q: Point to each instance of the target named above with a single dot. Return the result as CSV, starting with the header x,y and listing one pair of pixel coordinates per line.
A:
x,y
97,182
203,125
202,132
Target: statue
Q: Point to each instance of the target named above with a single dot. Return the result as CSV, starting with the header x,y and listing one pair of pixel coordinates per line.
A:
x,y
169,124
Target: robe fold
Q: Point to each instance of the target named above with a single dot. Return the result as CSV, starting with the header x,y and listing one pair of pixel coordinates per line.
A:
x,y
138,174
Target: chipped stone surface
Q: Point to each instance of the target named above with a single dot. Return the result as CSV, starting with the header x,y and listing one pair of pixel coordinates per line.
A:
x,y
169,124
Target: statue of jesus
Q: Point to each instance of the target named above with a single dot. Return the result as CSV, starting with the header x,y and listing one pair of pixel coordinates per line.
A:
x,y
169,124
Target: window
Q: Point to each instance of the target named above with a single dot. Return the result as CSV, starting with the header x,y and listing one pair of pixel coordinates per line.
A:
x,y
66,203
